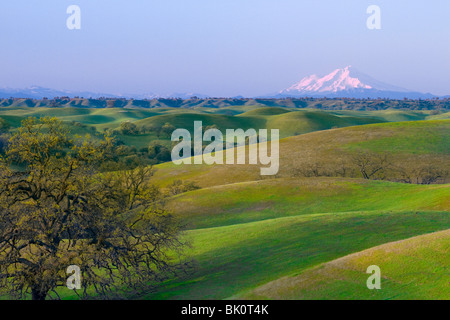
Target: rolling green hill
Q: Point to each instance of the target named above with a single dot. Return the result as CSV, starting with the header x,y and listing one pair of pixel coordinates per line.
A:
x,y
223,122
289,121
415,144
267,111
248,233
415,268
233,260
300,122
246,230
268,199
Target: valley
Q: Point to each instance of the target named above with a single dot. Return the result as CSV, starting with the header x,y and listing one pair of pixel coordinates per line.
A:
x,y
257,237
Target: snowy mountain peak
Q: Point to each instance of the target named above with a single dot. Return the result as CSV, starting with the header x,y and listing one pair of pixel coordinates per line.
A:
x,y
341,82
338,80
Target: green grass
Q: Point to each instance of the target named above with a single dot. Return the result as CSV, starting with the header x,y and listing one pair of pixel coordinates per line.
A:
x,y
186,121
268,199
234,259
290,121
111,117
415,137
300,122
409,143
267,111
440,116
247,231
415,268
387,115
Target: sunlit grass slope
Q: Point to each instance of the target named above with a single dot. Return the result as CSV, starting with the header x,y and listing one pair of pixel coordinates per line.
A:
x,y
233,260
268,199
408,143
415,268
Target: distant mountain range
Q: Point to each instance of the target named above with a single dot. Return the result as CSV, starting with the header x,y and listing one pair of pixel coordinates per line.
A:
x,y
341,83
347,83
36,92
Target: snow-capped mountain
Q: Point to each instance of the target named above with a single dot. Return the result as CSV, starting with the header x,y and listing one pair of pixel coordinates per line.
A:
x,y
347,82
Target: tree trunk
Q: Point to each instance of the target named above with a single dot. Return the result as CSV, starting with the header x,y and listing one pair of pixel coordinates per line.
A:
x,y
37,295
364,174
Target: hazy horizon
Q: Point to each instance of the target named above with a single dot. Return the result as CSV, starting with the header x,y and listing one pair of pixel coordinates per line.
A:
x,y
220,48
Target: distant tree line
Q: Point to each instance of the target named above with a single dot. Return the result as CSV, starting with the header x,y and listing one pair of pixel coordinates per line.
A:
x,y
372,165
440,104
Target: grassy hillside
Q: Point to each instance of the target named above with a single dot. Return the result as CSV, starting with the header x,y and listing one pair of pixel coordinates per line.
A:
x,y
247,231
107,116
409,144
300,122
387,115
415,268
234,259
268,111
289,121
223,122
268,199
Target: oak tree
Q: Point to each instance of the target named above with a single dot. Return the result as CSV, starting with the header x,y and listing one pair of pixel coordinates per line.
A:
x,y
58,208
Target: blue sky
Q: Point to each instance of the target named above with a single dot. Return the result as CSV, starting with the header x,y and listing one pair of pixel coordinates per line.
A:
x,y
220,47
